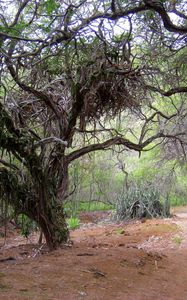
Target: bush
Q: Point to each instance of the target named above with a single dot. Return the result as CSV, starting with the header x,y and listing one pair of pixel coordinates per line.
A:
x,y
141,202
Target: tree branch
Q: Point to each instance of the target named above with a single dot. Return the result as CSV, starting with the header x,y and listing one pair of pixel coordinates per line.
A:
x,y
119,141
157,6
39,94
176,90
50,140
21,8
19,38
116,14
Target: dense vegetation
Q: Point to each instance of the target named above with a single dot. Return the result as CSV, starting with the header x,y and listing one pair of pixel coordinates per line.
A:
x,y
78,77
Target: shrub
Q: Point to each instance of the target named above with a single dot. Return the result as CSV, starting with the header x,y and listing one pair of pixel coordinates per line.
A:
x,y
141,202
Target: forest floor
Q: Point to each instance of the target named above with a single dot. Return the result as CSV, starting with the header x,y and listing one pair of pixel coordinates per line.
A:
x,y
107,261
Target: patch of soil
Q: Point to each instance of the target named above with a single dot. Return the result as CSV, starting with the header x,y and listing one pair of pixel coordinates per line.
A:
x,y
107,261
94,216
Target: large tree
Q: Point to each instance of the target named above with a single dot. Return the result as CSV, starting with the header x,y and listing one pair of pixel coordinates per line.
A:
x,y
67,68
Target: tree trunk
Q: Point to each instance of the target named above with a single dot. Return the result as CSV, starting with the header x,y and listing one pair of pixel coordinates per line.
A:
x,y
50,217
53,225
38,199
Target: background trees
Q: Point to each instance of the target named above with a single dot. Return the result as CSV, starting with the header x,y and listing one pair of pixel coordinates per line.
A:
x,y
67,70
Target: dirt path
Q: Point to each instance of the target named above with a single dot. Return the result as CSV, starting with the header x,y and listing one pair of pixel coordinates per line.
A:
x,y
181,221
135,261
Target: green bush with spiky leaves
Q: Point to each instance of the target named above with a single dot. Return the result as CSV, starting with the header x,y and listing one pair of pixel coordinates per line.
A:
x,y
73,223
141,201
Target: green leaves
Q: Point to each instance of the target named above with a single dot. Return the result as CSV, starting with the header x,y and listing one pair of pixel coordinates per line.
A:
x,y
73,223
50,6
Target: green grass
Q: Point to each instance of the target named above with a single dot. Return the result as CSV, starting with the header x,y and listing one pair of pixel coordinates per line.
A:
x,y
73,223
73,210
177,201
94,206
177,240
120,231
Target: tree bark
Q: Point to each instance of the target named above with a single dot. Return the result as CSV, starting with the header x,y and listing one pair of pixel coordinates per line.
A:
x,y
50,217
53,226
39,201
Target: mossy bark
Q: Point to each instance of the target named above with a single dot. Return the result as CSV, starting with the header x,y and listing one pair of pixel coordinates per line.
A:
x,y
39,202
53,226
49,215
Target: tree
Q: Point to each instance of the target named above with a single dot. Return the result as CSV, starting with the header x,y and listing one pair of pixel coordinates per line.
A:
x,y
66,68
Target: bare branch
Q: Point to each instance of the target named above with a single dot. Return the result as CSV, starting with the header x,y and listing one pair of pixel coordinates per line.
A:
x,y
50,140
173,91
120,141
157,6
21,8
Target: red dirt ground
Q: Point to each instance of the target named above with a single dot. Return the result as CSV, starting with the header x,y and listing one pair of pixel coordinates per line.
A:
x,y
107,261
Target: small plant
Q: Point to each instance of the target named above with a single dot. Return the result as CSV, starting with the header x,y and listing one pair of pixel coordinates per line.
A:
x,y
120,231
177,240
26,224
73,223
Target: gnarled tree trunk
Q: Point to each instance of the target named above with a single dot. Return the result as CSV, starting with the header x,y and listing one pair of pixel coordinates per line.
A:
x,y
39,202
49,215
53,225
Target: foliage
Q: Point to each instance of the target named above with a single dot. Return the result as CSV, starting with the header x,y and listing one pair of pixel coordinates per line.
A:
x,y
73,223
140,202
176,200
26,224
96,180
72,209
94,206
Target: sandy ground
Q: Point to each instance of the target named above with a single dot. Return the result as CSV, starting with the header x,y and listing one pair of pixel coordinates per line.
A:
x,y
107,261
